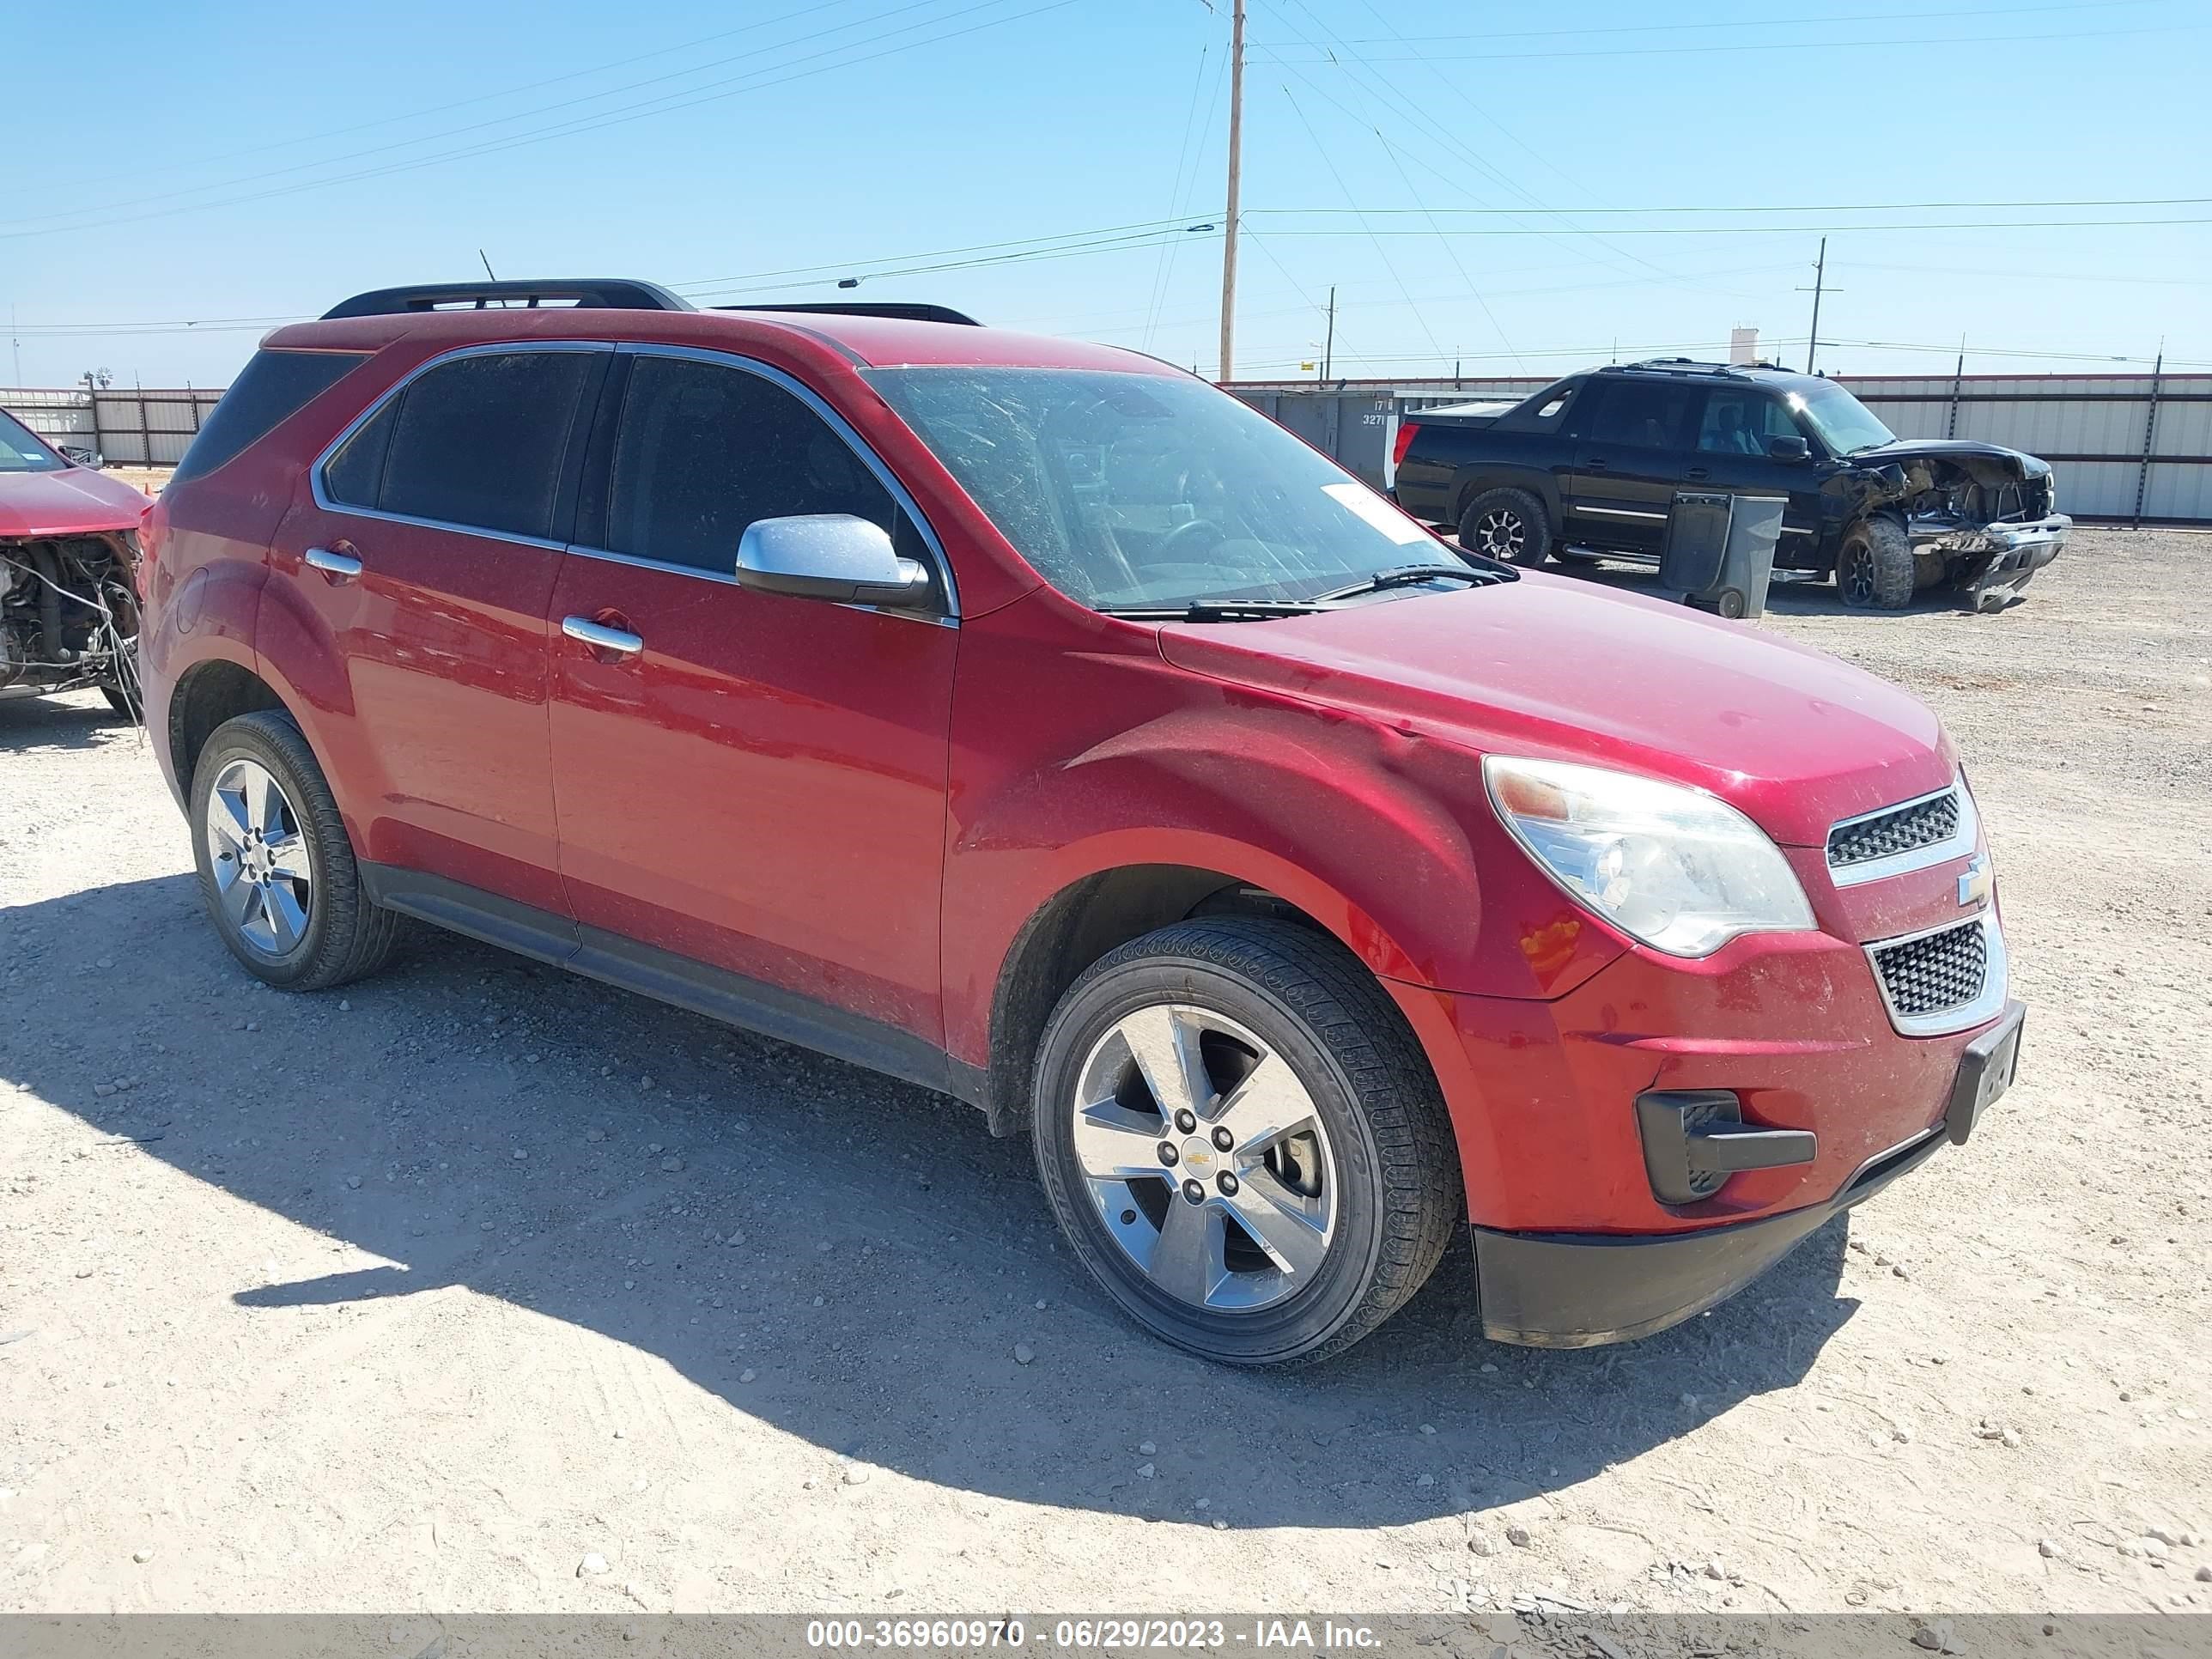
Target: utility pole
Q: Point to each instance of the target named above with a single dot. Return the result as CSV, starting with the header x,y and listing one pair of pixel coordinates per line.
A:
x,y
1819,280
1236,170
1328,340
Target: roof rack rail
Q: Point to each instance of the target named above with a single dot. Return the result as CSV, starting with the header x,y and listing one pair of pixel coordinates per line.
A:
x,y
597,292
1690,364
904,311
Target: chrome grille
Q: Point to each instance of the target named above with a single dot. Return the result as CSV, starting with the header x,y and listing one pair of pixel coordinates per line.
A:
x,y
1898,830
1936,972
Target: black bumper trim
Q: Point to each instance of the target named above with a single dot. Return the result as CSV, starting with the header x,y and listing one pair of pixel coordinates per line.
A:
x,y
1582,1290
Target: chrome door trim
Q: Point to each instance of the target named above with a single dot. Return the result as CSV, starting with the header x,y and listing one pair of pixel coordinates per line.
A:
x,y
845,430
329,503
1621,512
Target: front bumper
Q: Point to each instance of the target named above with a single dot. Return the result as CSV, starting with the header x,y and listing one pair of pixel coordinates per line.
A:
x,y
1581,1290
2005,556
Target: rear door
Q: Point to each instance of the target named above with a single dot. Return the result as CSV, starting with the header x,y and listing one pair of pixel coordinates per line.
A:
x,y
427,557
759,784
1728,451
1628,436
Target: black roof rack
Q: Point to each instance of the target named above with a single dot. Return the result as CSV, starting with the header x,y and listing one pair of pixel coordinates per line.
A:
x,y
1691,366
915,313
609,292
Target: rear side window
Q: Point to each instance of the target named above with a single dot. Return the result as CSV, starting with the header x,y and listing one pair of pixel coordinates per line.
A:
x,y
705,449
479,442
354,475
274,386
1637,414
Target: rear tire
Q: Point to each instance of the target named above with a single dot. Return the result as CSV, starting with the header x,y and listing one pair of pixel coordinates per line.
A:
x,y
276,868
1508,525
1315,1179
1873,567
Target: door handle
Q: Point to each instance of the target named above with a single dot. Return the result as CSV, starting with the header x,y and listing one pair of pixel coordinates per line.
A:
x,y
1595,465
600,637
1697,473
339,567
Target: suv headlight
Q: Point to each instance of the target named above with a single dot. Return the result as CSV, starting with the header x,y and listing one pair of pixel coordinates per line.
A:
x,y
1677,868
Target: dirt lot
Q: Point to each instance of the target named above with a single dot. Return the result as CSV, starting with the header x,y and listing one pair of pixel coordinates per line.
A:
x,y
481,1287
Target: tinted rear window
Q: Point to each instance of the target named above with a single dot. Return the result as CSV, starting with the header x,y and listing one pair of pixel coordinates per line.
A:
x,y
274,386
480,440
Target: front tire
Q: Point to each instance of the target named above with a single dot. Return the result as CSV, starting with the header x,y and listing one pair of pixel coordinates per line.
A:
x,y
1242,1141
1873,567
276,868
1508,525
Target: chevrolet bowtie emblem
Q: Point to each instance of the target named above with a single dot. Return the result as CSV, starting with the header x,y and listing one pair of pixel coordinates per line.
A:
x,y
1975,883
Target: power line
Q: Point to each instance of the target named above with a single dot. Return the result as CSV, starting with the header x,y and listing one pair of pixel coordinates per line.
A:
x,y
661,106
1840,20
1885,44
1177,197
1796,207
1772,230
484,98
505,121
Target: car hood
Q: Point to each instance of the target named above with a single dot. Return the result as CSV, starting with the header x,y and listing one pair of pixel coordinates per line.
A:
x,y
72,502
1555,668
1983,463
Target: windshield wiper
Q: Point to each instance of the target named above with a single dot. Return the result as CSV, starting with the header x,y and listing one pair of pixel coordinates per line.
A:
x,y
1206,611
1406,575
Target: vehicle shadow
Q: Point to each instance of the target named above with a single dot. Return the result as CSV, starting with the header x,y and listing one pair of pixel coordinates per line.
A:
x,y
861,1249
79,720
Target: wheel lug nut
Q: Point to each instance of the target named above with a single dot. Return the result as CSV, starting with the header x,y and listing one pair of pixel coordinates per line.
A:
x,y
1168,1153
1186,1120
1193,1192
1222,1140
1228,1184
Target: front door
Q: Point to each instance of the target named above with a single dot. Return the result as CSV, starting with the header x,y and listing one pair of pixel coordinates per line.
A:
x,y
1729,452
1628,435
758,784
426,557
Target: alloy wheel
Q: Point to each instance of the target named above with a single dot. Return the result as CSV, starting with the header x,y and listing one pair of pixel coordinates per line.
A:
x,y
1499,534
264,876
1206,1157
1857,576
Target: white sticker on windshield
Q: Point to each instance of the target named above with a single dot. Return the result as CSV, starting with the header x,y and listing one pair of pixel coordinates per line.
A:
x,y
1363,503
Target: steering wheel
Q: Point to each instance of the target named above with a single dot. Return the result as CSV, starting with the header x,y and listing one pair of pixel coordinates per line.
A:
x,y
1182,534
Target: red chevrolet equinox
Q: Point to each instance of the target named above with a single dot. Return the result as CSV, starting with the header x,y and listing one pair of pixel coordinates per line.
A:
x,y
1033,722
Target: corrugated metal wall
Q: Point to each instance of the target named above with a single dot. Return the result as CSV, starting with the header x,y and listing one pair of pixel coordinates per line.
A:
x,y
2096,430
138,427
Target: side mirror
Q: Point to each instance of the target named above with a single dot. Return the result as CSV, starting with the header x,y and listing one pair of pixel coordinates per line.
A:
x,y
1788,449
828,556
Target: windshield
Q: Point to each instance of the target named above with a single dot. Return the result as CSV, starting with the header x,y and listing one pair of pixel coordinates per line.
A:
x,y
20,452
1144,491
1843,423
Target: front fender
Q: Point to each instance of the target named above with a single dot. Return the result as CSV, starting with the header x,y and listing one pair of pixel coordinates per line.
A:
x,y
1382,835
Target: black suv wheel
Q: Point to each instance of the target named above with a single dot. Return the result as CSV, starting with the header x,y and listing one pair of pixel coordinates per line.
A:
x,y
1873,567
1509,525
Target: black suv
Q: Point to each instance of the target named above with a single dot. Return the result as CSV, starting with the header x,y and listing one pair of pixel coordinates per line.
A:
x,y
1590,466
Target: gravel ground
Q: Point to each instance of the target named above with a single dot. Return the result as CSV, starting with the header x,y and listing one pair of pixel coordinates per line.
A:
x,y
479,1287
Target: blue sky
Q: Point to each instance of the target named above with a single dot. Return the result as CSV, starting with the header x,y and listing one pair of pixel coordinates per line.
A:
x,y
1470,176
